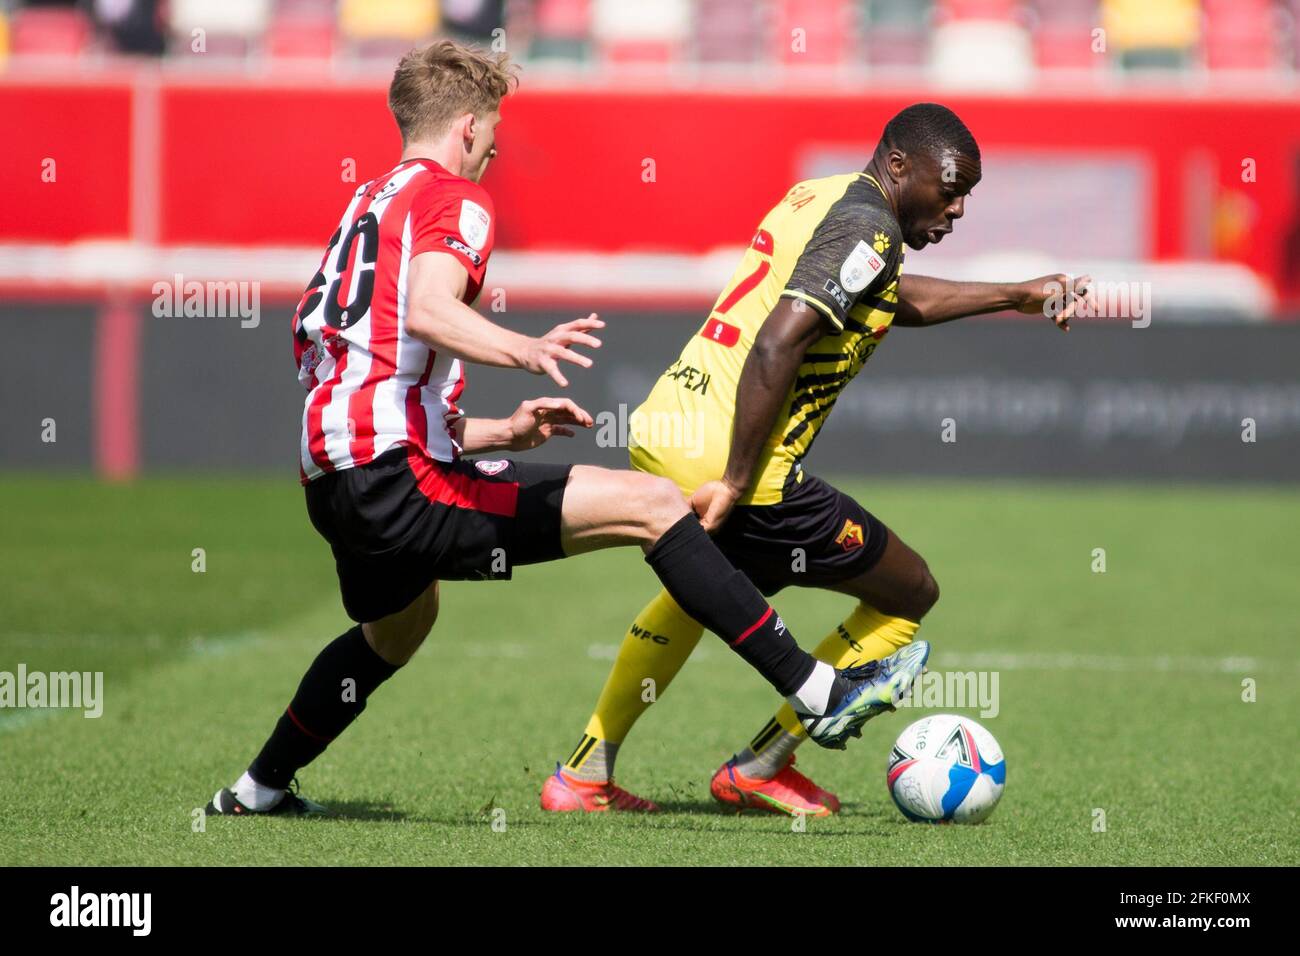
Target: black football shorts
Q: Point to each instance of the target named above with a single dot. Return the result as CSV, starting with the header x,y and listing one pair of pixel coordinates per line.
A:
x,y
816,536
403,521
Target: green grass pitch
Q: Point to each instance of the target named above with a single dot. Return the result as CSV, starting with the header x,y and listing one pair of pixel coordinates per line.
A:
x,y
1119,691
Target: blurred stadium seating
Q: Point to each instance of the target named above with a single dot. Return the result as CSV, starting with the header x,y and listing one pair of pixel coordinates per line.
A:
x,y
935,36
1167,201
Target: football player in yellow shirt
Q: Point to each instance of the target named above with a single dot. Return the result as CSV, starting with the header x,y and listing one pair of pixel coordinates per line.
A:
x,y
733,418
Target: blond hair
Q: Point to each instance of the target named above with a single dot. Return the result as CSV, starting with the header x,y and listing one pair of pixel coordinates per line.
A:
x,y
434,85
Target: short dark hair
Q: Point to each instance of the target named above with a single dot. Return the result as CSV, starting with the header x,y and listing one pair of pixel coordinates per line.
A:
x,y
932,129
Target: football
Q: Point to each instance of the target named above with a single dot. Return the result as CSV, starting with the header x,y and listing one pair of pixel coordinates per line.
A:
x,y
946,769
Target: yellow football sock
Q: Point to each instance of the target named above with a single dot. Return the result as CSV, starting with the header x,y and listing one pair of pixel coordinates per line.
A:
x,y
655,648
866,635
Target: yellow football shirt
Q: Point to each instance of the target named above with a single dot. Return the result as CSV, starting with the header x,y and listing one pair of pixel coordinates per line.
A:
x,y
832,244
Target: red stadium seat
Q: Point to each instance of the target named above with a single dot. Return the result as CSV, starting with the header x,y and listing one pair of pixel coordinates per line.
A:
x,y
301,37
1065,47
554,29
1240,35
1254,51
976,9
827,27
45,31
639,51
1258,10
567,19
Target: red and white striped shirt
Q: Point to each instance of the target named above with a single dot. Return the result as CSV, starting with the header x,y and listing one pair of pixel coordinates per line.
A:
x,y
371,385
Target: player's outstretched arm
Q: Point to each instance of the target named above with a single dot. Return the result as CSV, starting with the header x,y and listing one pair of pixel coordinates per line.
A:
x,y
924,300
769,371
437,316
534,422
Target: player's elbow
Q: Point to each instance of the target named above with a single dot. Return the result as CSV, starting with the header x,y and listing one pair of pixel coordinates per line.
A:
x,y
422,323
766,347
772,352
414,323
908,314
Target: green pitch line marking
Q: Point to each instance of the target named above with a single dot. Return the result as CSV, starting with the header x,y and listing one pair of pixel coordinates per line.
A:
x,y
1164,663
11,721
954,660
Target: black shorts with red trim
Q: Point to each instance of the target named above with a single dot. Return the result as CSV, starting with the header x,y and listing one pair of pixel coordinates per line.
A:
x,y
815,537
403,521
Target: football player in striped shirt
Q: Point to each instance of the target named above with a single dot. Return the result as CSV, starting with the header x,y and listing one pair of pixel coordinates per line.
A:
x,y
382,338
813,298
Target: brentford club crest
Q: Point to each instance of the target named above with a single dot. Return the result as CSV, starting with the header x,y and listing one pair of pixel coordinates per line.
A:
x,y
491,468
310,358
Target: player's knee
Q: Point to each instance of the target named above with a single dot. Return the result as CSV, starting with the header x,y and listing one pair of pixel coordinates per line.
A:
x,y
424,620
925,594
659,505
396,639
395,646
911,596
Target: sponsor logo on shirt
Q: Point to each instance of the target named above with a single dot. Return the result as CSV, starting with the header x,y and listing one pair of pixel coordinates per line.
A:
x,y
386,192
724,333
837,294
464,250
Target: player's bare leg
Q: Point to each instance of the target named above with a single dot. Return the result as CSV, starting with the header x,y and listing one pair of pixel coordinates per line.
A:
x,y
900,585
607,508
604,508
397,637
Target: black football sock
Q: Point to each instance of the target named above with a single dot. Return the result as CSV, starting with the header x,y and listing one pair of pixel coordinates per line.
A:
x,y
331,695
721,598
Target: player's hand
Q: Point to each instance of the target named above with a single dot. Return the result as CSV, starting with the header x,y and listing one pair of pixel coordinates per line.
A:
x,y
713,502
537,420
1056,296
543,355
